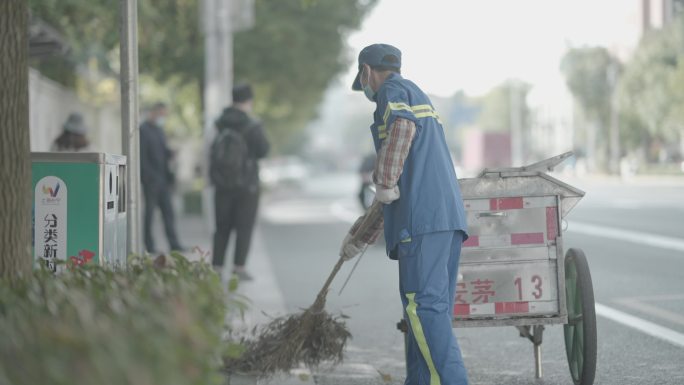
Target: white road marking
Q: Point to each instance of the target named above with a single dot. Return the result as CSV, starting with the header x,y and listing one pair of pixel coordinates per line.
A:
x,y
637,237
647,308
632,204
641,325
655,298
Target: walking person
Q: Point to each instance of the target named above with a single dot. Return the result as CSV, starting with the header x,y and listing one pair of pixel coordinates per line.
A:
x,y
157,178
234,172
423,215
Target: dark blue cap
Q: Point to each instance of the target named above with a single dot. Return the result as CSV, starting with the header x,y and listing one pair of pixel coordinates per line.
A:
x,y
377,55
242,93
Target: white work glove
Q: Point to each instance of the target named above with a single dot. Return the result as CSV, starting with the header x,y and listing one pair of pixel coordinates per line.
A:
x,y
349,250
386,195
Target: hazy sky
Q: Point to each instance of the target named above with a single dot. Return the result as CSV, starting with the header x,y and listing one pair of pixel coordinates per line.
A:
x,y
475,44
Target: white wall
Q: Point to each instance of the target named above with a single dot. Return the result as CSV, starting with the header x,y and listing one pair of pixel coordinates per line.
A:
x,y
51,103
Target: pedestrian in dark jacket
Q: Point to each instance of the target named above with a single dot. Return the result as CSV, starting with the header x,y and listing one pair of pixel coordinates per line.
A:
x,y
236,206
157,179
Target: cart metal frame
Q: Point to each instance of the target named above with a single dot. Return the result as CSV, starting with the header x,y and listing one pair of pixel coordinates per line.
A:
x,y
528,186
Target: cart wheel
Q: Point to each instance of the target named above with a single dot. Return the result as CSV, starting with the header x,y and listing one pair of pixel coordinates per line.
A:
x,y
580,331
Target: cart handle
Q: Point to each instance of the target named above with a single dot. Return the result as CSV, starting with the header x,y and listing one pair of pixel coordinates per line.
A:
x,y
541,166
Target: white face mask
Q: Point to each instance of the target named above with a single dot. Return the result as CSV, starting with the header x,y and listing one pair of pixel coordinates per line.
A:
x,y
368,91
160,121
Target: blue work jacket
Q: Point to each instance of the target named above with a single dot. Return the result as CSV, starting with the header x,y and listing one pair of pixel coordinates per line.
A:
x,y
430,195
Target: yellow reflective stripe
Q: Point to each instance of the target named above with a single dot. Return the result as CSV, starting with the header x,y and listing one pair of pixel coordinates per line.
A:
x,y
422,107
420,337
419,111
382,130
398,106
387,112
395,107
403,106
425,114
431,114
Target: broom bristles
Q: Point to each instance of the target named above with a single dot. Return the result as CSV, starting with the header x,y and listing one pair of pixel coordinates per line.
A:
x,y
311,337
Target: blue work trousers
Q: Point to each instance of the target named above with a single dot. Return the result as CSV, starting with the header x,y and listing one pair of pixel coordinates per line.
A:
x,y
428,269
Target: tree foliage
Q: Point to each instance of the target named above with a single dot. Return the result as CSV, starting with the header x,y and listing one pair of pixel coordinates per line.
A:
x,y
587,74
158,322
291,55
651,90
591,74
496,106
295,48
169,33
91,30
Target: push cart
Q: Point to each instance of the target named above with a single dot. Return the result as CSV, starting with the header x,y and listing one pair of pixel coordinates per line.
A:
x,y
513,271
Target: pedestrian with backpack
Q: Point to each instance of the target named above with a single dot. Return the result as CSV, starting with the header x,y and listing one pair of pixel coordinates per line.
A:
x,y
234,172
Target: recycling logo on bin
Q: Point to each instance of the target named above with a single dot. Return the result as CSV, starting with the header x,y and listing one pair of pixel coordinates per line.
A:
x,y
50,224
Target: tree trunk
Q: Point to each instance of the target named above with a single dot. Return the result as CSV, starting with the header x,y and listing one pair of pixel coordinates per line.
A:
x,y
15,171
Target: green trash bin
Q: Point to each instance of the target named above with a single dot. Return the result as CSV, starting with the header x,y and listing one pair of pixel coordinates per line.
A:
x,y
79,209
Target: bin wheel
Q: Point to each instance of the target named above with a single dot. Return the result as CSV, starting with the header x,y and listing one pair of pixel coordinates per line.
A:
x,y
580,331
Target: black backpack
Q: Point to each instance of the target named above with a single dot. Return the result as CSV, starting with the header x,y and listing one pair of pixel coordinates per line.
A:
x,y
228,160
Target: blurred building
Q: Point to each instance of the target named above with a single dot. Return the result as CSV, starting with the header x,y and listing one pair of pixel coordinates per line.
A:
x,y
484,149
658,13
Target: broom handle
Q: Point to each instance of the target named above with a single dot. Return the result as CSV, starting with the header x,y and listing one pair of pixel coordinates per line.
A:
x,y
371,215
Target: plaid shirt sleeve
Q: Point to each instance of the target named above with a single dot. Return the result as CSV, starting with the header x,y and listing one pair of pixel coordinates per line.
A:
x,y
388,169
393,153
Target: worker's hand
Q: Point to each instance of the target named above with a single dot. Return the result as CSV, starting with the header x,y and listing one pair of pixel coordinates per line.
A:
x,y
349,249
386,195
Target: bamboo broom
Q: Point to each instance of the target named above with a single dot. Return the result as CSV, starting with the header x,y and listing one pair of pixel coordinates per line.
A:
x,y
309,337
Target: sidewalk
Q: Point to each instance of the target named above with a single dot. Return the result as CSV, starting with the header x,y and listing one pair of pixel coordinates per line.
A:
x,y
263,291
266,300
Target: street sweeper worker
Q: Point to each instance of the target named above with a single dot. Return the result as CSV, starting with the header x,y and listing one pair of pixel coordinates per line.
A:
x,y
423,215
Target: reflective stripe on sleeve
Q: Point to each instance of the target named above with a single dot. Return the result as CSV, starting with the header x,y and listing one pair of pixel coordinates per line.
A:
x,y
419,111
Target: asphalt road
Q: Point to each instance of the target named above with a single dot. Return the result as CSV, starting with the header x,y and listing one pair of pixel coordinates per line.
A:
x,y
632,234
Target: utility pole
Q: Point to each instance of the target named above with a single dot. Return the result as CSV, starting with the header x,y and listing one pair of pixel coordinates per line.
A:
x,y
218,79
614,133
218,61
130,137
515,115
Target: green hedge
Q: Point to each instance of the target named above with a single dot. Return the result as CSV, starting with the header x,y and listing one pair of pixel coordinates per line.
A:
x,y
145,326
